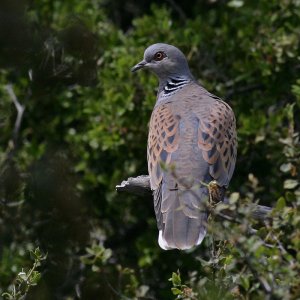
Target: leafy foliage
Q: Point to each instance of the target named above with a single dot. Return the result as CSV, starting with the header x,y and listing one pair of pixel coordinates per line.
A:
x,y
84,130
26,280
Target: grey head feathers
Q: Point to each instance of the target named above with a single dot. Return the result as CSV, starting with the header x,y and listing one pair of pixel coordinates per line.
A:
x,y
170,66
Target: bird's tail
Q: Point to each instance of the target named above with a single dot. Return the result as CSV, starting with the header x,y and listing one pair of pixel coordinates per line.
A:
x,y
184,217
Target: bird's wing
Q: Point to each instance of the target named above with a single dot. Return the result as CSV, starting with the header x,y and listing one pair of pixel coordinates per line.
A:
x,y
218,142
162,141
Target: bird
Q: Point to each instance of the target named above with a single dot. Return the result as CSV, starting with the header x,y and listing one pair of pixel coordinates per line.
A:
x,y
192,140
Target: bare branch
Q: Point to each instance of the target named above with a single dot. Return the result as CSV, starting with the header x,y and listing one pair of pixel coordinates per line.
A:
x,y
20,111
140,186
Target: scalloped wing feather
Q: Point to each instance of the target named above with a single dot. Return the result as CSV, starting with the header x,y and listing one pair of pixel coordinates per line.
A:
x,y
218,142
162,141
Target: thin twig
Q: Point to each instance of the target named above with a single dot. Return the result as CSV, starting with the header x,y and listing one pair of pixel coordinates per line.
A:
x,y
20,112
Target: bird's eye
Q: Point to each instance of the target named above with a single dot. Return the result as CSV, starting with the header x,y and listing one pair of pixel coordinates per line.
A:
x,y
159,56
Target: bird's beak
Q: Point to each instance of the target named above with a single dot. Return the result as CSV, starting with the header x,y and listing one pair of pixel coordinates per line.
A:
x,y
138,66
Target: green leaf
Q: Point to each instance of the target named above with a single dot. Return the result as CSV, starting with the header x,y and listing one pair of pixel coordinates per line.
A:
x,y
176,291
95,268
176,280
285,167
234,197
22,276
235,3
290,196
290,184
35,277
245,283
280,204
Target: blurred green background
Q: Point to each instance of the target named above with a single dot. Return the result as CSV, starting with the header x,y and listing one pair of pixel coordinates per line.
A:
x,y
84,130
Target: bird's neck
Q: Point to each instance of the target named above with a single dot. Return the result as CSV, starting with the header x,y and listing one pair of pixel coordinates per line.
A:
x,y
170,85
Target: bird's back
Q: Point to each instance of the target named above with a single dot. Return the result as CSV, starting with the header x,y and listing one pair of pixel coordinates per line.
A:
x,y
178,163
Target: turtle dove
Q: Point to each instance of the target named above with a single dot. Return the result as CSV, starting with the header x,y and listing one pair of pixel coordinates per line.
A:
x,y
192,139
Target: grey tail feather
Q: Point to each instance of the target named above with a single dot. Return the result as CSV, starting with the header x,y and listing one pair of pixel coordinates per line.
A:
x,y
184,219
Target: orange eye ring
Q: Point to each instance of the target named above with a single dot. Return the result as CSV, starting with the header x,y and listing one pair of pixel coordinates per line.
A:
x,y
159,56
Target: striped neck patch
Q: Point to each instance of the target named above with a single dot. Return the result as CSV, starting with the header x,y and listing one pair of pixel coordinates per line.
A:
x,y
174,84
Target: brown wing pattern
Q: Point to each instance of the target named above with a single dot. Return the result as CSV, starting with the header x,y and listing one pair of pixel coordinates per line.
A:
x,y
162,141
217,140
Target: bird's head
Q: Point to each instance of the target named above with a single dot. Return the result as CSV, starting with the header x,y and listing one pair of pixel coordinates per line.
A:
x,y
165,61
